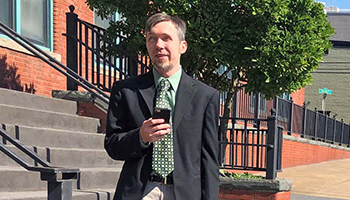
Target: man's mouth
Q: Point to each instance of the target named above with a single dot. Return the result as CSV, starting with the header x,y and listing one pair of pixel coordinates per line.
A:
x,y
161,56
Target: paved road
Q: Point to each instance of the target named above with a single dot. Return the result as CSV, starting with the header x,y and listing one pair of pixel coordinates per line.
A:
x,y
322,181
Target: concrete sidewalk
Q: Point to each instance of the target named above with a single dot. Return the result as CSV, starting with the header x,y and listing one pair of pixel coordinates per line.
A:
x,y
328,179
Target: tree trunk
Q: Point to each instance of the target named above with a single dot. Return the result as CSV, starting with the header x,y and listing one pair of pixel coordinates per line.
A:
x,y
224,121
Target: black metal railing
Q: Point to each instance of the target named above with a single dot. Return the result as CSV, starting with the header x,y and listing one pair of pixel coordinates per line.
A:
x,y
59,180
87,45
295,119
312,124
52,62
324,128
252,148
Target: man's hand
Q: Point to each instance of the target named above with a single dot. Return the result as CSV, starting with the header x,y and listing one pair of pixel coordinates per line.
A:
x,y
153,129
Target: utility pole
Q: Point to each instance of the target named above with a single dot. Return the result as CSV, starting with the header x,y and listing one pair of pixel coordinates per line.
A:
x,y
324,103
325,92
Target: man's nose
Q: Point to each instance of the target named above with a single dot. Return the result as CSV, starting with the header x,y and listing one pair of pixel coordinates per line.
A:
x,y
160,44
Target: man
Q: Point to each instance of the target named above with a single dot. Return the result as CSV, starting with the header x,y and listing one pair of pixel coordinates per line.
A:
x,y
190,169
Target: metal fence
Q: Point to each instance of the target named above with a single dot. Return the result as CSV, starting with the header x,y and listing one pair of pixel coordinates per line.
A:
x,y
295,119
250,147
86,54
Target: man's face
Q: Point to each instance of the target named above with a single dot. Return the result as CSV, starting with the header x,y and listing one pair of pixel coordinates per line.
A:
x,y
164,46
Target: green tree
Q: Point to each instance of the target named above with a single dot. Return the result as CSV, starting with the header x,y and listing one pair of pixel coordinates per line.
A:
x,y
269,45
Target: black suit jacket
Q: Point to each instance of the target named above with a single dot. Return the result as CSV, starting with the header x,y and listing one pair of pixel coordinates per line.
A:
x,y
196,173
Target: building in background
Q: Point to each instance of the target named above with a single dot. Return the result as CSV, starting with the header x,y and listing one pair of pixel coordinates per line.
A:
x,y
336,5
334,72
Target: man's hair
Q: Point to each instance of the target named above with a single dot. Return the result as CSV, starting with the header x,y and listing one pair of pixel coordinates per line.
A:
x,y
179,24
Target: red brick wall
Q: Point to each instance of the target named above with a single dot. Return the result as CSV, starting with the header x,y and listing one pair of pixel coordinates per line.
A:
x,y
297,153
29,71
298,96
60,8
226,194
294,153
90,110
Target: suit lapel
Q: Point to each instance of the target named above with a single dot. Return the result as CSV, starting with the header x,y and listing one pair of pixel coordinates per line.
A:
x,y
147,89
185,93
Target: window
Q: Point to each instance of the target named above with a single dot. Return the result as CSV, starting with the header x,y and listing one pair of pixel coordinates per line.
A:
x,y
252,103
31,19
6,13
104,23
285,96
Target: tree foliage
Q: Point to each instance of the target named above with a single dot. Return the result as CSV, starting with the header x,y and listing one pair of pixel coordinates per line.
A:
x,y
270,45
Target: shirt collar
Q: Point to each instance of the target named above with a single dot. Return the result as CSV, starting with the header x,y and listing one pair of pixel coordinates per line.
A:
x,y
174,79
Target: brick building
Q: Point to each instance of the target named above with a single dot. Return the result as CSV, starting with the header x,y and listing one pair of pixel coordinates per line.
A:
x,y
19,69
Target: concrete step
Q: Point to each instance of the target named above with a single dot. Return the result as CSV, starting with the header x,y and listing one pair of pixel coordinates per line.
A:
x,y
15,179
22,99
63,157
47,137
93,194
98,178
13,115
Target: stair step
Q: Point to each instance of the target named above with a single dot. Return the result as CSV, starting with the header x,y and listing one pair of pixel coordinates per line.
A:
x,y
98,178
44,119
56,138
65,139
22,99
63,157
93,194
20,180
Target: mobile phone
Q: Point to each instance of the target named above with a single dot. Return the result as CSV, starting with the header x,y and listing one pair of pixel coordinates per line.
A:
x,y
161,113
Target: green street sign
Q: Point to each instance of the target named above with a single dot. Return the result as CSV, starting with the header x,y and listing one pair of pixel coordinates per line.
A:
x,y
325,91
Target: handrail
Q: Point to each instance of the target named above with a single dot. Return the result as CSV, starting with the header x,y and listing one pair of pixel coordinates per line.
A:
x,y
91,49
46,167
92,27
86,56
59,180
23,148
20,161
51,61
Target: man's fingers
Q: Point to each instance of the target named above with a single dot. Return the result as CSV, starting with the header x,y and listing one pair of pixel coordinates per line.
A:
x,y
160,127
160,133
153,129
152,122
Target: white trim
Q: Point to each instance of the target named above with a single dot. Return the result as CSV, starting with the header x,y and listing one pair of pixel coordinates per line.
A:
x,y
11,45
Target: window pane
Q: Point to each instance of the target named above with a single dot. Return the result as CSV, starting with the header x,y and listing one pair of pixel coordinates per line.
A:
x,y
104,23
34,21
251,102
6,12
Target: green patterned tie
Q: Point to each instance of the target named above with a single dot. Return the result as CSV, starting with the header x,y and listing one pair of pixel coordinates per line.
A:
x,y
163,156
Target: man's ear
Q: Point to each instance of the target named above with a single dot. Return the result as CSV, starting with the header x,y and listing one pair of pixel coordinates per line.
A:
x,y
183,47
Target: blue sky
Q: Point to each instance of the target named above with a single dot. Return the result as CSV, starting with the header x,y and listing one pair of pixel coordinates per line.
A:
x,y
341,4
